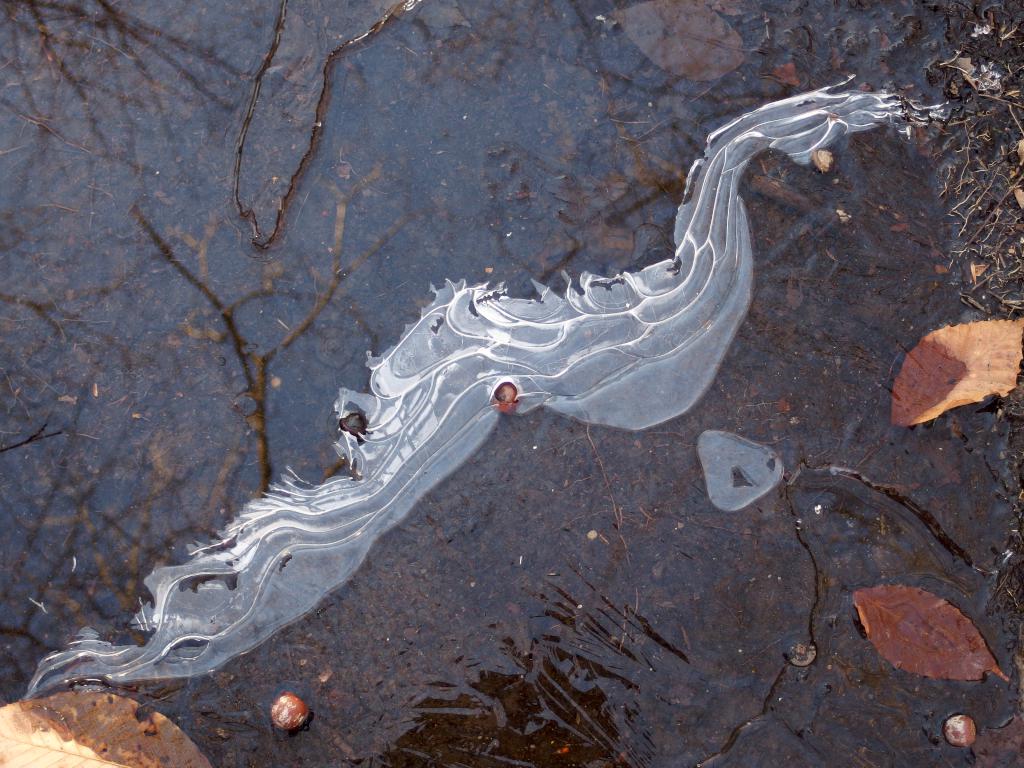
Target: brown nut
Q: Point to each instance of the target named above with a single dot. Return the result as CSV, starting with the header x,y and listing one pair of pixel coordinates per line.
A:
x,y
289,712
959,730
506,397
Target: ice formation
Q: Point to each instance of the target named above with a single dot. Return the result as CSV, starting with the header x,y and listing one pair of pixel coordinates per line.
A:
x,y
630,351
737,471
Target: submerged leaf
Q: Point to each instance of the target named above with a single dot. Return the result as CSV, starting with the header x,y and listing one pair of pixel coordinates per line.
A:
x,y
684,37
957,365
919,632
89,730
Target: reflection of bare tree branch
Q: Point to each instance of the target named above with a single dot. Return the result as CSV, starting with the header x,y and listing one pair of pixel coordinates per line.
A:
x,y
42,309
62,35
39,434
256,365
260,238
101,21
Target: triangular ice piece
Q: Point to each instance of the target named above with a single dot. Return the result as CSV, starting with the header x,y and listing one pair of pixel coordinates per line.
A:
x,y
737,471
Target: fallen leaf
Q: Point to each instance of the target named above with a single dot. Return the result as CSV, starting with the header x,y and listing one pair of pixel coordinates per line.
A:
x,y
684,37
1018,195
1020,151
786,74
1000,747
919,632
954,366
90,730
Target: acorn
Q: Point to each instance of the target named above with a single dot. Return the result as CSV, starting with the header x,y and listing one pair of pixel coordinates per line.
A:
x,y
506,397
960,730
802,654
289,712
353,422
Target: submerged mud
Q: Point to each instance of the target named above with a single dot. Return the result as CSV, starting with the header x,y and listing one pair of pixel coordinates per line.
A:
x,y
569,596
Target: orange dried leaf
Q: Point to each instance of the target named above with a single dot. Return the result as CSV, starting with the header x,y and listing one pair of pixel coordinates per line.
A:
x,y
957,365
684,37
919,632
786,74
91,730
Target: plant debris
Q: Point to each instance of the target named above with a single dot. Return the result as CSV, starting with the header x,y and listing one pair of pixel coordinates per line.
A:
x,y
957,365
921,633
684,37
985,138
89,730
823,160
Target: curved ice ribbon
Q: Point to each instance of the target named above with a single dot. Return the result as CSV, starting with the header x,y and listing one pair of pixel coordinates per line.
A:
x,y
628,351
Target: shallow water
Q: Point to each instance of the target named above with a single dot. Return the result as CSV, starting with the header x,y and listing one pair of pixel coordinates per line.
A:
x,y
505,143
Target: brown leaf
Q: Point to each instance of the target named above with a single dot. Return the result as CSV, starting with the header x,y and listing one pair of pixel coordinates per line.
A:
x,y
684,37
919,632
786,74
957,365
1000,747
90,730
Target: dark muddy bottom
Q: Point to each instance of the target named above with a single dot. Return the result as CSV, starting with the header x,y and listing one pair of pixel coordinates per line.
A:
x,y
570,596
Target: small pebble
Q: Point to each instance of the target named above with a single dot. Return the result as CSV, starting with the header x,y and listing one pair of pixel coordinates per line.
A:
x,y
960,730
591,535
802,654
289,712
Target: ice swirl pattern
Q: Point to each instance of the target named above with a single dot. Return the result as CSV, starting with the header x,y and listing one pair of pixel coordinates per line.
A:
x,y
629,350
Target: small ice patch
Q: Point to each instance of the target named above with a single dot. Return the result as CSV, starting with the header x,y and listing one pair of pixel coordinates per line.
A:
x,y
737,471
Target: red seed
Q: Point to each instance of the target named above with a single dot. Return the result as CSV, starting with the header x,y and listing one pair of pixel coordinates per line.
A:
x,y
959,730
289,712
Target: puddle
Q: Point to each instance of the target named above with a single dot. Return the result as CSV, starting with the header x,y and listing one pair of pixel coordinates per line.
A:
x,y
570,596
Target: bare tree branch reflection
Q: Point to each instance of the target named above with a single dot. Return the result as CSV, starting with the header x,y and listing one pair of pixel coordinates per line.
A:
x,y
39,434
255,365
66,32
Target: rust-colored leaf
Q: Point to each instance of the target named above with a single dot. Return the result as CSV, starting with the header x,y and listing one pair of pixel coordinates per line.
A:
x,y
957,365
684,37
91,730
786,74
919,632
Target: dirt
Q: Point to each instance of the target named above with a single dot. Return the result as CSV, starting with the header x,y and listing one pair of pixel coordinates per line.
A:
x,y
159,369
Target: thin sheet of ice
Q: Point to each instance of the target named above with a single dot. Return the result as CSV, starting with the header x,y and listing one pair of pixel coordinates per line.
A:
x,y
630,351
737,471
